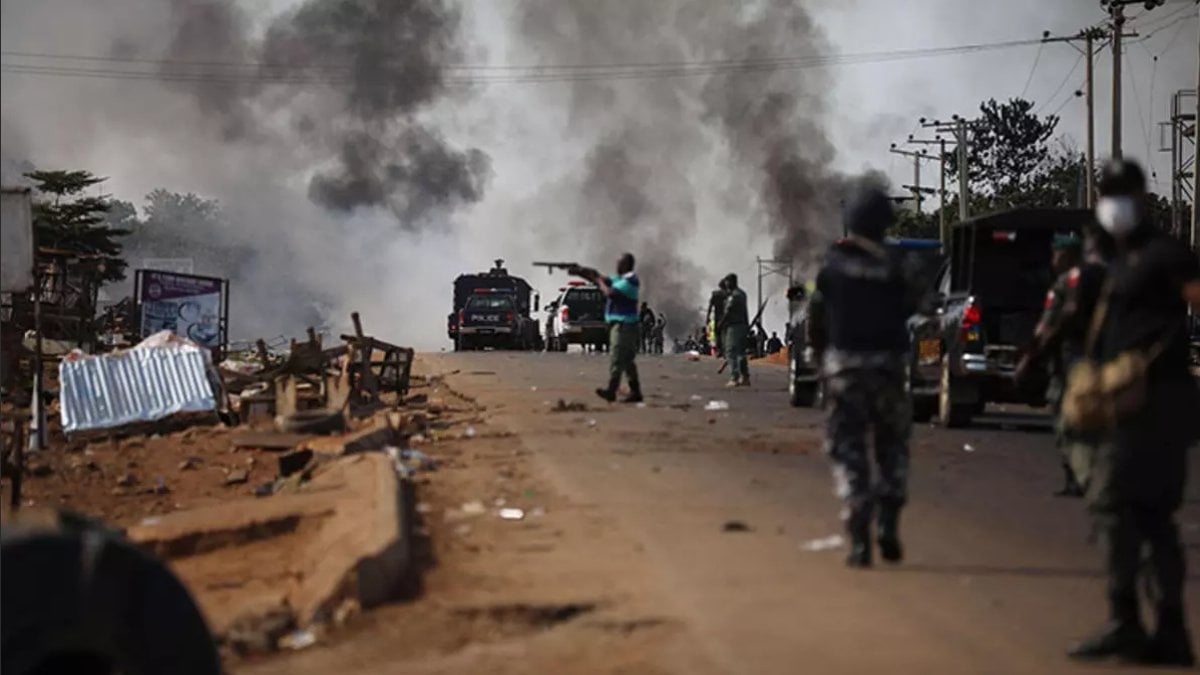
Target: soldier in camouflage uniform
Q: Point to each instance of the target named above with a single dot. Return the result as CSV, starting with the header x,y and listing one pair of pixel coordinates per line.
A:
x,y
1060,336
857,323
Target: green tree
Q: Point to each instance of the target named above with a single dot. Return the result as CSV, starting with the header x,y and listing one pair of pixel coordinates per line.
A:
x,y
67,219
1009,150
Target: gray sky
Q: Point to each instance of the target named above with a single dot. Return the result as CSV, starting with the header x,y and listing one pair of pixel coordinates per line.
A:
x,y
144,135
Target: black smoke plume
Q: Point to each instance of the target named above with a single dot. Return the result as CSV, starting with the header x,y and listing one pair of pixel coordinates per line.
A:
x,y
351,77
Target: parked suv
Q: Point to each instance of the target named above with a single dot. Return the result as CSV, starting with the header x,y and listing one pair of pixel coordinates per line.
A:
x,y
493,319
991,294
576,318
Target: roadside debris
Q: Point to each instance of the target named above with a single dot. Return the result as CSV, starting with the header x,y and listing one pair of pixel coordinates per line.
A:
x,y
127,480
568,406
693,355
161,376
512,514
298,639
473,508
967,447
591,422
189,464
470,432
736,526
824,543
714,405
237,477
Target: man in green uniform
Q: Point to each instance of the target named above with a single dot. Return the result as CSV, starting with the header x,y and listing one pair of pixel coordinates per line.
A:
x,y
624,332
1140,466
735,326
1060,335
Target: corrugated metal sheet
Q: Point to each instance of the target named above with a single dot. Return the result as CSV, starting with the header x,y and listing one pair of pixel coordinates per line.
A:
x,y
138,385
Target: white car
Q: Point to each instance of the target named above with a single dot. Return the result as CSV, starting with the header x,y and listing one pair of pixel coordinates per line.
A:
x,y
576,317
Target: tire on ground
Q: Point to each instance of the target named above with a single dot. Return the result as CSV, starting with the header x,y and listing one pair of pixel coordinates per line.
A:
x,y
79,598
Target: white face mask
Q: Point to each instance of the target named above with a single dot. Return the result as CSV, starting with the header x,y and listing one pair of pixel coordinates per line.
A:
x,y
1117,215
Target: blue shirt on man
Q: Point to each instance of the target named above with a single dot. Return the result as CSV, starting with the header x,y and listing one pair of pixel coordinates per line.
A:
x,y
622,305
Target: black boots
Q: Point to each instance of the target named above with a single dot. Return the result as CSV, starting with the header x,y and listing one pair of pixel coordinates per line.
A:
x,y
610,395
889,531
1123,636
1171,644
1071,487
858,526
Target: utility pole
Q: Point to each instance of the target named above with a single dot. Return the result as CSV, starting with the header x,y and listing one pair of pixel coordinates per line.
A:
x,y
915,188
961,128
943,233
1088,36
768,267
1118,22
1116,10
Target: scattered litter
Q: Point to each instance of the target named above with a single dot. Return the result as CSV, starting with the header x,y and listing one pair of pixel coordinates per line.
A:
x,y
415,459
533,389
299,639
967,447
716,405
470,432
512,514
423,507
591,422
736,526
528,493
151,521
417,439
128,480
265,490
237,477
563,405
474,508
696,397
500,501
641,405
824,543
188,464
693,355
537,512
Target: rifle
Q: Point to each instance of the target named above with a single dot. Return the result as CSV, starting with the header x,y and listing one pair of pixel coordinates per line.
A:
x,y
757,320
551,266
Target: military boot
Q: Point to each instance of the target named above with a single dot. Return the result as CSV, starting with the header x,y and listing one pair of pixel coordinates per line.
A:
x,y
1171,644
858,526
889,531
1071,487
1122,636
609,395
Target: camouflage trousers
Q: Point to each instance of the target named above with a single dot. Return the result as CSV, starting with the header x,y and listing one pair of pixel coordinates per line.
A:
x,y
868,402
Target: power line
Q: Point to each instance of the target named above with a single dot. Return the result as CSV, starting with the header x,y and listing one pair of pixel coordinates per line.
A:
x,y
1029,79
1046,101
269,73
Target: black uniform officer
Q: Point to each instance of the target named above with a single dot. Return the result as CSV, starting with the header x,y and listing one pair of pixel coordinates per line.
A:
x,y
1138,477
857,323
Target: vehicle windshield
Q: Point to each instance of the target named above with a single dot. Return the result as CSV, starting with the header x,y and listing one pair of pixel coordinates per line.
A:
x,y
489,301
583,296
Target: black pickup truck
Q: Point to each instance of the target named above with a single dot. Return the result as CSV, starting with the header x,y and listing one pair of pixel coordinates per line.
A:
x,y
924,259
990,295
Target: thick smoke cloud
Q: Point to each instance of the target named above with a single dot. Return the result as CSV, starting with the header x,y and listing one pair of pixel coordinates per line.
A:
x,y
776,181
350,76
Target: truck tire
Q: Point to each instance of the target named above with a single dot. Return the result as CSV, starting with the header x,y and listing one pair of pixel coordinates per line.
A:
x,y
802,394
950,414
78,598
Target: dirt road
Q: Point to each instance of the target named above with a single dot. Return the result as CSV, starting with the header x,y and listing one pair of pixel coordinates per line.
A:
x,y
625,561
